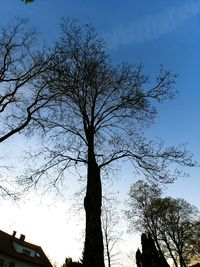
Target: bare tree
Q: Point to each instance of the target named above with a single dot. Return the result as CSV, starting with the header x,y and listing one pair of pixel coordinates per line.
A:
x,y
21,63
98,116
111,233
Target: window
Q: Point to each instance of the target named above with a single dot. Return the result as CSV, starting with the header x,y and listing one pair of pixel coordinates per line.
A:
x,y
37,254
11,264
26,252
1,262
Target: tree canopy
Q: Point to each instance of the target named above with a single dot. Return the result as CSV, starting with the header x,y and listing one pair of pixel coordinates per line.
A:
x,y
21,64
88,111
172,223
97,115
110,106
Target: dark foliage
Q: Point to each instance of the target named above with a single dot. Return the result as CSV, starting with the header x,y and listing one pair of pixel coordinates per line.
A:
x,y
70,263
174,224
150,256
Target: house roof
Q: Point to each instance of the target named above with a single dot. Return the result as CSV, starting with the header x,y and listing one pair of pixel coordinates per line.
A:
x,y
7,247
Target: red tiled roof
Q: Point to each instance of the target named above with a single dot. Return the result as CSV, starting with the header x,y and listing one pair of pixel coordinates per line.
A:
x,y
7,247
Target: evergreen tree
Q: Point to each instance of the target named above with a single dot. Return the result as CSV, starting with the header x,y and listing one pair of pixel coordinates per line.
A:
x,y
150,256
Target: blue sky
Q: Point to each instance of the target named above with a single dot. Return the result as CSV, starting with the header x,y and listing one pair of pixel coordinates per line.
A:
x,y
150,32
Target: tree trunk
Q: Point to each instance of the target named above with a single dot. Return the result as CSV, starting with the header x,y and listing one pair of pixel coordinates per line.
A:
x,y
181,260
162,258
107,250
170,252
94,250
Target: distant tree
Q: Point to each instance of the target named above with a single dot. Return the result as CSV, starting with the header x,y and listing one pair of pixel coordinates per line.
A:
x,y
179,229
111,233
150,256
21,63
141,217
98,116
70,263
172,223
138,257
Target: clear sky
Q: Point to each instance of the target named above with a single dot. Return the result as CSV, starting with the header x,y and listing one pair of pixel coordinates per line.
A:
x,y
150,32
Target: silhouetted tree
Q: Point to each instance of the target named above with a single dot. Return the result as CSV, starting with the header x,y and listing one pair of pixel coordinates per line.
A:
x,y
111,233
70,263
21,63
138,257
180,228
139,214
172,223
150,256
98,117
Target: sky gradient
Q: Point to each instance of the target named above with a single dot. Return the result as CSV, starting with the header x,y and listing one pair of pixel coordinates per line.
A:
x,y
165,32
